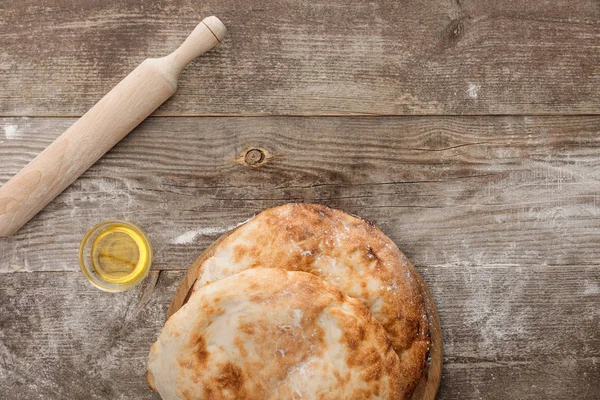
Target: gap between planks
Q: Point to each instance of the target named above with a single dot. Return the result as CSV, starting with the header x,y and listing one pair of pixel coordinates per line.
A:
x,y
418,267
332,115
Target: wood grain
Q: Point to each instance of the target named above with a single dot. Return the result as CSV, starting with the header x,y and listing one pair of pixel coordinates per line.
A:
x,y
320,57
508,332
501,214
448,190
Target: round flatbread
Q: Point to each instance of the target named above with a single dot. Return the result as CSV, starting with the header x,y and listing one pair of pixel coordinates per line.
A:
x,y
349,253
273,334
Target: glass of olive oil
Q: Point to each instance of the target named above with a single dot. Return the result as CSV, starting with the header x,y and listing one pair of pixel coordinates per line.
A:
x,y
115,255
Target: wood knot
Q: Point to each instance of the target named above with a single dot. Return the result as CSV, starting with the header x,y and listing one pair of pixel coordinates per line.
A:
x,y
456,28
454,32
253,157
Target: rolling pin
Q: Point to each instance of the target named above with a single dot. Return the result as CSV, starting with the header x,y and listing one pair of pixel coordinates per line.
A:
x,y
103,126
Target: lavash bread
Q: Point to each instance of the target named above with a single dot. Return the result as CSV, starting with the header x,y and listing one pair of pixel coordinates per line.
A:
x,y
273,334
349,253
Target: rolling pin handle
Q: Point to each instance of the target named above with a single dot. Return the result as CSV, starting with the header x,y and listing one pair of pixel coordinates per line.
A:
x,y
207,34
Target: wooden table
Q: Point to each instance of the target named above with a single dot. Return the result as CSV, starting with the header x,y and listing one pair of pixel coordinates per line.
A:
x,y
469,131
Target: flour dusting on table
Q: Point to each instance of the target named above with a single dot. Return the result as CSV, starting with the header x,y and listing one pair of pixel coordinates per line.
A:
x,y
190,236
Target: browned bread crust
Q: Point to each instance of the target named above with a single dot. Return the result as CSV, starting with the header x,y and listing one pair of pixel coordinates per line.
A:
x,y
348,252
267,333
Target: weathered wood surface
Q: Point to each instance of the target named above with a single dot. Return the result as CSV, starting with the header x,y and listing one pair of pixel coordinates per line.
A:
x,y
452,190
319,57
527,333
500,214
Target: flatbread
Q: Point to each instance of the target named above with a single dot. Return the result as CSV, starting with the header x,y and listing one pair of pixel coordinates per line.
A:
x,y
349,253
273,334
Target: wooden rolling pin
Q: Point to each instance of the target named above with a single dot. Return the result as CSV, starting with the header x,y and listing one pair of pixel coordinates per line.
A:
x,y
103,126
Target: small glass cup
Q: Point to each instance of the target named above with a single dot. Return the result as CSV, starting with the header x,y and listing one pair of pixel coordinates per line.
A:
x,y
115,255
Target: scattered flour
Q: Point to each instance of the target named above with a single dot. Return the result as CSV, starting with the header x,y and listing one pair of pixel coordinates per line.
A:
x,y
473,90
11,131
590,288
190,236
297,317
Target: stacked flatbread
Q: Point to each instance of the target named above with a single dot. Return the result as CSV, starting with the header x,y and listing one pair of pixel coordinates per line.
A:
x,y
301,302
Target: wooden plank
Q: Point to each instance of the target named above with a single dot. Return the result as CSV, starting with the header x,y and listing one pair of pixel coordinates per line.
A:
x,y
528,333
447,190
519,333
507,314
319,57
566,379
63,339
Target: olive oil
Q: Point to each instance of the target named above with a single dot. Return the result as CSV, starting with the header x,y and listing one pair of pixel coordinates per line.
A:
x,y
115,255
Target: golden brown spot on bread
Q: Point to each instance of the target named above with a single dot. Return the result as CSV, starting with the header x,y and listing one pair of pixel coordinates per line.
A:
x,y
230,376
373,365
212,309
254,252
239,252
186,395
253,285
150,380
239,344
209,393
307,288
227,384
248,328
200,352
298,262
354,335
339,378
257,298
299,235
